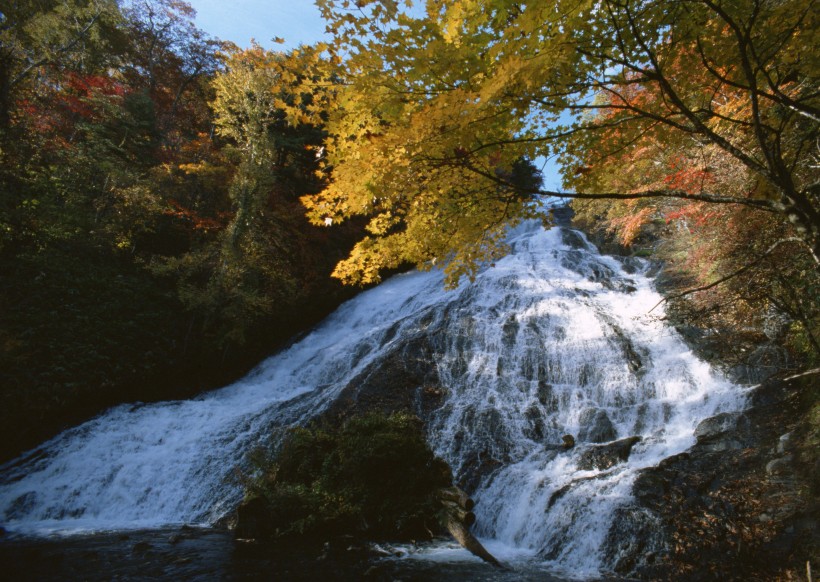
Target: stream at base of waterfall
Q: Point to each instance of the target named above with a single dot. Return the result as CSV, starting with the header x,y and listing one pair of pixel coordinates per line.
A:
x,y
554,339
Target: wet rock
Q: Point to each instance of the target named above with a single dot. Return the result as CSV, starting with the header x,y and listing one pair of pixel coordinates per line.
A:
x,y
477,469
635,540
728,431
650,486
557,495
716,426
573,239
630,265
489,423
535,428
690,333
568,441
603,457
780,466
654,269
141,548
546,396
400,381
784,443
622,340
596,427
600,273
562,215
741,503
510,331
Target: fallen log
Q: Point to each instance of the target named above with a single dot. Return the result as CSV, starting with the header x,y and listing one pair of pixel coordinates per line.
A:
x,y
469,542
459,513
457,517
457,496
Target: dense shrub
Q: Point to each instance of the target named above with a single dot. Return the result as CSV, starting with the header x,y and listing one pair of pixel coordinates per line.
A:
x,y
375,477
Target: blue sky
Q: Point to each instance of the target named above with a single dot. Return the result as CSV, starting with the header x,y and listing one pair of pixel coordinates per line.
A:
x,y
297,21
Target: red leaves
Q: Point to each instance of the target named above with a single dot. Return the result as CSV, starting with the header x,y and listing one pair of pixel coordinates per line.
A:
x,y
86,96
198,222
86,85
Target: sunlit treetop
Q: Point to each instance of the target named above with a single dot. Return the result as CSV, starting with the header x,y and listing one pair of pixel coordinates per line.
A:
x,y
440,103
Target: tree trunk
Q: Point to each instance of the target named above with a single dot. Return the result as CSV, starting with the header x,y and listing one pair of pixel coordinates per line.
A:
x,y
469,542
458,518
456,495
459,513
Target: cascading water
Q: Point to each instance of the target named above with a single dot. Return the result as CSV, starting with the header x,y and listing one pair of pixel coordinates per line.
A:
x,y
555,339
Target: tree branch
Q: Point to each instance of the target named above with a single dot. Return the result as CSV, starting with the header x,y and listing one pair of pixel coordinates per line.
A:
x,y
732,275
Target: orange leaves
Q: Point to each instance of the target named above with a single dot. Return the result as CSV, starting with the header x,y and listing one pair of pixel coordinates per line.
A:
x,y
629,226
689,175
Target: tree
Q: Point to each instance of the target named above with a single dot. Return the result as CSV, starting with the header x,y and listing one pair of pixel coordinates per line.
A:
x,y
438,107
40,34
264,107
168,57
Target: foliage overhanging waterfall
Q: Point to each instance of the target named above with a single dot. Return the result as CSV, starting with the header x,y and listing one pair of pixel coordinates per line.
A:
x,y
554,339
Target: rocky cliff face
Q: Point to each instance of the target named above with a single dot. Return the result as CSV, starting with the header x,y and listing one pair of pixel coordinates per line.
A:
x,y
742,504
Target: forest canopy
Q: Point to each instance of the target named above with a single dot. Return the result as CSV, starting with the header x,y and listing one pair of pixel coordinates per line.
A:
x,y
440,105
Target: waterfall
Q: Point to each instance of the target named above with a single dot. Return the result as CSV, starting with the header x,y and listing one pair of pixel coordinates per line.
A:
x,y
554,339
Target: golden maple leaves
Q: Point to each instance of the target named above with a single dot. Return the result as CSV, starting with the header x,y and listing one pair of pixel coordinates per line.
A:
x,y
430,107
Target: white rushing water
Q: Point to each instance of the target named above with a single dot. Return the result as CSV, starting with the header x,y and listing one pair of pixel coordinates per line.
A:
x,y
555,339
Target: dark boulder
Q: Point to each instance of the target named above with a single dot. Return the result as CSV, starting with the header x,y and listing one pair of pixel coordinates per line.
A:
x,y
596,427
603,457
406,379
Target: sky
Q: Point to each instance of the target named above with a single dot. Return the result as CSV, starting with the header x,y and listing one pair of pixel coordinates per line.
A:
x,y
296,21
